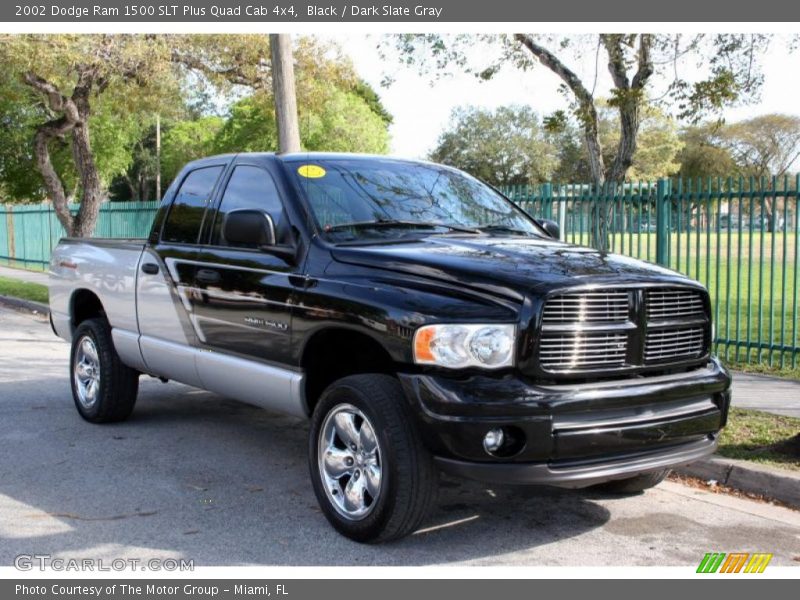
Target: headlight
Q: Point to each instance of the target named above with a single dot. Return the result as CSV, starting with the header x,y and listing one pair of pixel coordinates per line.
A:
x,y
461,346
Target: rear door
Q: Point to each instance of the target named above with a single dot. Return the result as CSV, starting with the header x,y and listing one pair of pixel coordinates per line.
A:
x,y
245,294
166,274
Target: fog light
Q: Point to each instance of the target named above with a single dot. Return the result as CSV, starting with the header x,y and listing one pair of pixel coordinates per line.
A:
x,y
493,440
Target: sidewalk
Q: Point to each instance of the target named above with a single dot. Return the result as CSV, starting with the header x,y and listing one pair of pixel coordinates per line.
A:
x,y
768,394
23,275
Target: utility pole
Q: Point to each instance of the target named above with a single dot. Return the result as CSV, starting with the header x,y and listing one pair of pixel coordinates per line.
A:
x,y
280,45
158,157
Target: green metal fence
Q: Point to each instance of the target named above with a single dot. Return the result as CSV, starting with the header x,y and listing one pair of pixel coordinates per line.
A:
x,y
29,232
739,237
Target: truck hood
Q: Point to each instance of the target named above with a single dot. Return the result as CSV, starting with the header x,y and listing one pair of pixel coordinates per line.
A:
x,y
511,265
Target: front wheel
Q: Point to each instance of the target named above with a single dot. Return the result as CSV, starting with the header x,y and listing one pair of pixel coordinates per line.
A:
x,y
373,478
103,388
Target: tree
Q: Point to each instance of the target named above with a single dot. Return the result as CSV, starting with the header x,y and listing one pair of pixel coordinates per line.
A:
x,y
635,62
657,147
66,77
505,146
764,147
342,122
113,136
703,155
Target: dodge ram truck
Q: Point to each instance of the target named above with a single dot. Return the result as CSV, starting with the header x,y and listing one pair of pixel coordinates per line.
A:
x,y
418,318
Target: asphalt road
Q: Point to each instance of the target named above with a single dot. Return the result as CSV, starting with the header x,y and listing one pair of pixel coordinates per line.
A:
x,y
192,475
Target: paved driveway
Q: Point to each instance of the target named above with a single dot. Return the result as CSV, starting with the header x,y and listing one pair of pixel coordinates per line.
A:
x,y
196,476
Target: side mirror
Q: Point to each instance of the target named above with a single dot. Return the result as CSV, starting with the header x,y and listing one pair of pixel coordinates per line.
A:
x,y
551,227
251,228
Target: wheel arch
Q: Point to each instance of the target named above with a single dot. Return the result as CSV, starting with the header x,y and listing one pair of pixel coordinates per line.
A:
x,y
335,352
84,304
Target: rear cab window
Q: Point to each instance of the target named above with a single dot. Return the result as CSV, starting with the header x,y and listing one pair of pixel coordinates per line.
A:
x,y
185,217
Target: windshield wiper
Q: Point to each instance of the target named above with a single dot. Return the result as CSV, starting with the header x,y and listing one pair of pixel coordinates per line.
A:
x,y
397,223
504,229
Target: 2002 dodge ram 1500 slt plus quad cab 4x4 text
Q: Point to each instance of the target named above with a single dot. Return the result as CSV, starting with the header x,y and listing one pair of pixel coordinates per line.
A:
x,y
416,316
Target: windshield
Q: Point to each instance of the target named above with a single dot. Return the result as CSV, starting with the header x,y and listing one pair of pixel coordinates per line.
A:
x,y
386,199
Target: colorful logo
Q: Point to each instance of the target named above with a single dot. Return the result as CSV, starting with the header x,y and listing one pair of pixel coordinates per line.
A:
x,y
735,562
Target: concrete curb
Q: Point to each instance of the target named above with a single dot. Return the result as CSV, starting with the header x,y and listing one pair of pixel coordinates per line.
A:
x,y
28,305
747,477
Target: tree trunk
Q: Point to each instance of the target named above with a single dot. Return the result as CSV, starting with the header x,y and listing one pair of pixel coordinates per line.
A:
x,y
91,186
628,99
284,92
587,115
74,121
52,181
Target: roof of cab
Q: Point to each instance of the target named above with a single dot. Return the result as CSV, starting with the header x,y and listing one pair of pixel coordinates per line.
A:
x,y
299,157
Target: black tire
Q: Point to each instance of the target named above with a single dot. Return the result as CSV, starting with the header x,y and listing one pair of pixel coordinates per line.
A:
x,y
634,485
116,392
409,479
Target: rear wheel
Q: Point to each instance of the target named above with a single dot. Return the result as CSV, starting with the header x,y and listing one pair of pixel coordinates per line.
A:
x,y
634,485
373,478
103,388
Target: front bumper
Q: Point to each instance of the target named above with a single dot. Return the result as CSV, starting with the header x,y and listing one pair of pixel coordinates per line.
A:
x,y
573,435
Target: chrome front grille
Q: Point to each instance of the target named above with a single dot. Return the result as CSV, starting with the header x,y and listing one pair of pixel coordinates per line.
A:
x,y
608,306
683,343
559,351
672,303
622,329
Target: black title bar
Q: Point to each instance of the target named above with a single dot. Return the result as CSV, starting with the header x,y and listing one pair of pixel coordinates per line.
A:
x,y
412,11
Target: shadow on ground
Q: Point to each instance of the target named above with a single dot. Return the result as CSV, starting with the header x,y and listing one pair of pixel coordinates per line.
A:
x,y
195,476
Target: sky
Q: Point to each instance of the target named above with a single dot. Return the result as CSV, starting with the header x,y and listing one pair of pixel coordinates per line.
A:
x,y
422,111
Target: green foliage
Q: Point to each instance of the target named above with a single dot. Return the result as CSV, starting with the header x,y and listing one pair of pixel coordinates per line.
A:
x,y
346,122
506,146
339,120
702,156
365,91
187,140
765,145
658,142
181,78
113,137
759,147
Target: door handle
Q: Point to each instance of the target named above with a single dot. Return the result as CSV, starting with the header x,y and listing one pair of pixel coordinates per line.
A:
x,y
150,268
207,276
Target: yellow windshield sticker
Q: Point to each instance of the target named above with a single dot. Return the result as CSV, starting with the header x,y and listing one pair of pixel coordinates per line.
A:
x,y
311,171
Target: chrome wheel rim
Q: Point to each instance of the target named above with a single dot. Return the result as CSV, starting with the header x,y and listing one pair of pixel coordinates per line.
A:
x,y
349,457
86,372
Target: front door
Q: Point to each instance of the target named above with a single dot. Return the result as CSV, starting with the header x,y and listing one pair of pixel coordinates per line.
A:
x,y
244,294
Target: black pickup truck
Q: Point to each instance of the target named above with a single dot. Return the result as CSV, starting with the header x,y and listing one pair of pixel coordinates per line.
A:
x,y
417,317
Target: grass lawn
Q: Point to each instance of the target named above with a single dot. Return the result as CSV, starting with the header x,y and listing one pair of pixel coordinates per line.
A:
x,y
762,437
23,289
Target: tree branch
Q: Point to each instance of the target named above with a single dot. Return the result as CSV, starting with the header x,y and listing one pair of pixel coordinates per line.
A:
x,y
616,60
645,70
588,112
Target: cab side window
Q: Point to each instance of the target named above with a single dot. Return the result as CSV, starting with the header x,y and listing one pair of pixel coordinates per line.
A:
x,y
250,188
186,213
